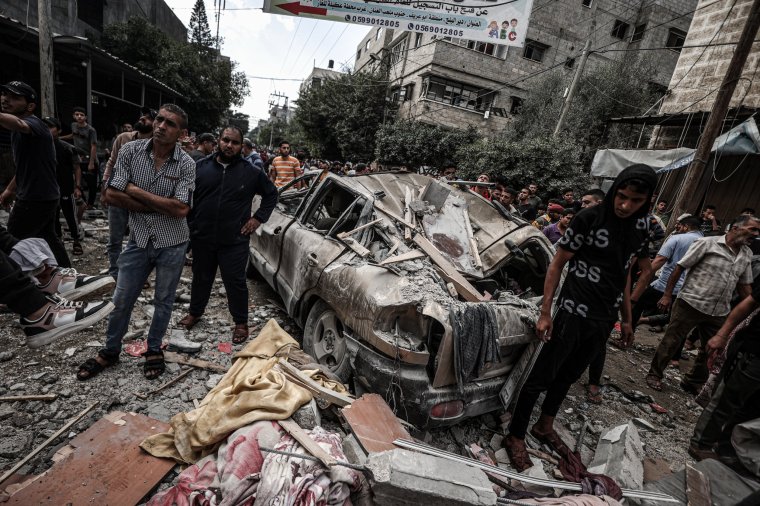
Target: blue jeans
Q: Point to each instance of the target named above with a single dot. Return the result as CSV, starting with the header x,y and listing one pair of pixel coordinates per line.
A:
x,y
136,264
118,219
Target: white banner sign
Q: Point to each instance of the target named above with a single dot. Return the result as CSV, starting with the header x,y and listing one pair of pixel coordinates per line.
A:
x,y
497,22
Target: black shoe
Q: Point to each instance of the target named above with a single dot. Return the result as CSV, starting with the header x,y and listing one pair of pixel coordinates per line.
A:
x,y
689,388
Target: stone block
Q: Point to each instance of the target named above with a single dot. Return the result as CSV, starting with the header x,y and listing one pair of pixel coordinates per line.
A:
x,y
406,478
619,455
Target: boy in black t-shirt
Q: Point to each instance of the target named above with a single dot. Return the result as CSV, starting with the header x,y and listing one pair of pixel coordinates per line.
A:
x,y
599,248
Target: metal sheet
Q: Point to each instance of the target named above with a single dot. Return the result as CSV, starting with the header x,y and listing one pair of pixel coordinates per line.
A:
x,y
373,423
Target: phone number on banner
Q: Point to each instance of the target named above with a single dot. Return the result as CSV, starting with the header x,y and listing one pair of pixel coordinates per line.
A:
x,y
372,21
435,29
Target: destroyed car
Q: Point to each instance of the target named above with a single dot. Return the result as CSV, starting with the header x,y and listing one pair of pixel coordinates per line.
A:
x,y
383,270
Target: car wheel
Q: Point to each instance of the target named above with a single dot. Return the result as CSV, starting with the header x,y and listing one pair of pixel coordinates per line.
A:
x,y
323,339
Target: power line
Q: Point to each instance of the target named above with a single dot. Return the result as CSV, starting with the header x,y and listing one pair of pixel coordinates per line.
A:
x,y
295,60
336,41
290,45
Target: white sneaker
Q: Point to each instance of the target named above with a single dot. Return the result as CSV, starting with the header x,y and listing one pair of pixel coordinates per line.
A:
x,y
61,318
70,284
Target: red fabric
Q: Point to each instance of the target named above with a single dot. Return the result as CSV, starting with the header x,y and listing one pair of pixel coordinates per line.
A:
x,y
572,469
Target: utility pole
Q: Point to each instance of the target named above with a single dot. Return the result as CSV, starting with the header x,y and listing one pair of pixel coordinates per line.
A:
x,y
47,80
573,87
274,106
718,112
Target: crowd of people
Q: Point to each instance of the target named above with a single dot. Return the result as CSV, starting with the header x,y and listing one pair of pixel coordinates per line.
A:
x,y
169,194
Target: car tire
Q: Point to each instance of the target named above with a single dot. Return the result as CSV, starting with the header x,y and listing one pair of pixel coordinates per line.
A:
x,y
323,339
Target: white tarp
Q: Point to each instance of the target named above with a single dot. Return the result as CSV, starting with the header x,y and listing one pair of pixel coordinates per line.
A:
x,y
742,139
609,163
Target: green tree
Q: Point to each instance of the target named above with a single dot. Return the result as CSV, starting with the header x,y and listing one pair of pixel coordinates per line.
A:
x,y
339,117
238,119
208,81
415,144
274,131
608,90
200,33
553,163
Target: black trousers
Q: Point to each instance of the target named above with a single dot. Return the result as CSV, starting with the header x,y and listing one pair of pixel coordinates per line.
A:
x,y
17,290
231,261
37,219
91,179
68,207
574,344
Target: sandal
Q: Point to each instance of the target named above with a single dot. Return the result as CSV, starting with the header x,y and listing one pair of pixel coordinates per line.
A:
x,y
91,367
654,383
553,440
154,365
77,249
593,394
240,334
517,453
189,321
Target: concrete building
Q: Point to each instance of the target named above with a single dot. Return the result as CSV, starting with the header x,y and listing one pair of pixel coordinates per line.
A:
x,y
82,17
318,75
456,82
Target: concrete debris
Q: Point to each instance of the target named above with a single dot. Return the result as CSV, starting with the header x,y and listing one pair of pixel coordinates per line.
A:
x,y
6,356
619,455
178,342
307,416
406,478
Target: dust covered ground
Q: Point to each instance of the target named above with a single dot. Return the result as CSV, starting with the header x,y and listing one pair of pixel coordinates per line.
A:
x,y
52,369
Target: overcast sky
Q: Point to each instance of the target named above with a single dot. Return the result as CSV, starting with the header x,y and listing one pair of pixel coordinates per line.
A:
x,y
275,47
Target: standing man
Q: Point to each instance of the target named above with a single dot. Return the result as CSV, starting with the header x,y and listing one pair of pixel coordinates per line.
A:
x,y
715,267
118,217
154,179
526,210
735,399
592,198
205,146
220,225
69,178
284,168
710,224
505,195
600,246
660,211
85,139
250,154
568,200
646,296
555,231
533,197
553,214
35,184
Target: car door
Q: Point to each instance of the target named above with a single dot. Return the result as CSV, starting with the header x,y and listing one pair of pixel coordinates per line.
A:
x,y
307,247
266,241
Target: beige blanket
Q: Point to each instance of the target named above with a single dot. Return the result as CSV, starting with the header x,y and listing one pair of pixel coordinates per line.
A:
x,y
250,391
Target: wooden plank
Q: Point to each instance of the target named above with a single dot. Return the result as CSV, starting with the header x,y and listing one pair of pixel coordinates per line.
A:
x,y
107,466
408,215
396,244
322,392
380,207
697,488
307,442
49,440
356,247
166,385
14,398
178,358
373,423
359,229
409,255
448,272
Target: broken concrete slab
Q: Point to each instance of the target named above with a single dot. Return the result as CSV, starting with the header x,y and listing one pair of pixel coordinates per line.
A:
x,y
307,416
403,477
619,455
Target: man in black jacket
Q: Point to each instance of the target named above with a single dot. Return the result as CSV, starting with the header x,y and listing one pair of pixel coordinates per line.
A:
x,y
220,224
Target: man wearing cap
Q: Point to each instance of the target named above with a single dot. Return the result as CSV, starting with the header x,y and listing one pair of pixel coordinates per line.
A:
x,y
118,217
69,178
35,184
205,146
553,214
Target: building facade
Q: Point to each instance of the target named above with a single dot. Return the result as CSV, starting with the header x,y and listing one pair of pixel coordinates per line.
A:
x,y
85,17
457,83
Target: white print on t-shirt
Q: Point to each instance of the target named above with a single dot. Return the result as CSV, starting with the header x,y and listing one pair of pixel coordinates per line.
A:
x,y
642,224
582,270
571,307
598,238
